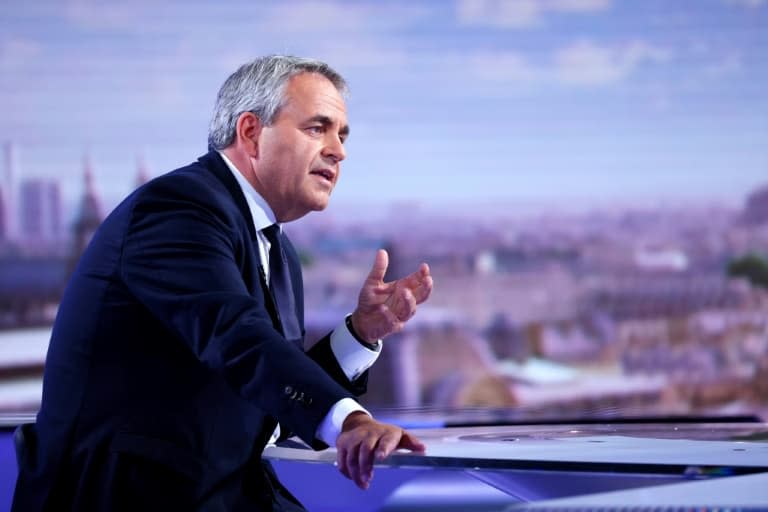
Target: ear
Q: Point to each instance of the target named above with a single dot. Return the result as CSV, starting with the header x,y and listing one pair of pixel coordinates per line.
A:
x,y
247,131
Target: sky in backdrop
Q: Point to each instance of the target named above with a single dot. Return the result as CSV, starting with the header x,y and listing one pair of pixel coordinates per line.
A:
x,y
560,104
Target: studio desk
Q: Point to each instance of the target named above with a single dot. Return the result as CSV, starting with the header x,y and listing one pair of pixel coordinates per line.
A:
x,y
661,465
664,464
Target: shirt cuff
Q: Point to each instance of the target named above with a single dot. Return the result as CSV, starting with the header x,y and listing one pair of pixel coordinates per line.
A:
x,y
330,428
353,358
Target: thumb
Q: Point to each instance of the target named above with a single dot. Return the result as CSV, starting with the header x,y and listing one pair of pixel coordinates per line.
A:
x,y
380,265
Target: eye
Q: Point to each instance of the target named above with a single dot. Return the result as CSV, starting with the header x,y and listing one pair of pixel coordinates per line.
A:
x,y
316,129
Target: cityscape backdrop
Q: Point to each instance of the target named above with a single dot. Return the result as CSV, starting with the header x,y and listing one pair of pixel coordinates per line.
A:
x,y
586,178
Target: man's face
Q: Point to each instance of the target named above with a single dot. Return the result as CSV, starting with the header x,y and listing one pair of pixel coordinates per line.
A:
x,y
299,154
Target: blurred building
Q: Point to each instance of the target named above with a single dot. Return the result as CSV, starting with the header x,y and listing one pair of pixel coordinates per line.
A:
x,y
30,289
8,193
437,360
89,216
756,209
33,278
40,213
653,296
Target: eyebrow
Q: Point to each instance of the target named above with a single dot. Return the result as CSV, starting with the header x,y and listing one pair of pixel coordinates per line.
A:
x,y
327,121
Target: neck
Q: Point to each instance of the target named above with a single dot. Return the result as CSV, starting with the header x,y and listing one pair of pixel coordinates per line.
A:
x,y
242,164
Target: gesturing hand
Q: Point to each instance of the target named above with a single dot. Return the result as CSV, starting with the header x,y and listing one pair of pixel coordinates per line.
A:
x,y
363,440
383,308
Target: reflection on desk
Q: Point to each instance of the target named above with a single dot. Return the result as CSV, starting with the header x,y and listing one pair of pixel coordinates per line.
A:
x,y
737,493
532,463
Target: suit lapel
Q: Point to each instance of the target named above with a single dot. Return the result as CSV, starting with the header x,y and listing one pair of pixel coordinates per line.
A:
x,y
213,162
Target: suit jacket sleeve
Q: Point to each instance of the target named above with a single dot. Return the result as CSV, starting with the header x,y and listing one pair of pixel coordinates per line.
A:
x,y
185,257
323,354
321,351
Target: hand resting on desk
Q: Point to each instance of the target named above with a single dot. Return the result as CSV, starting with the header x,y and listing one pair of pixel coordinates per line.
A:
x,y
364,440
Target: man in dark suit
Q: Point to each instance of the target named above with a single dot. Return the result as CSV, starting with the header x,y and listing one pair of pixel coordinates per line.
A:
x,y
177,350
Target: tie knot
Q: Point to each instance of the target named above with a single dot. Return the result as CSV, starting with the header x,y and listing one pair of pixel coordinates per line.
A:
x,y
271,232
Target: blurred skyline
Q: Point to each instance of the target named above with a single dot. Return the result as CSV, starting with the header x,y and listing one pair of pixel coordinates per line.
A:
x,y
556,104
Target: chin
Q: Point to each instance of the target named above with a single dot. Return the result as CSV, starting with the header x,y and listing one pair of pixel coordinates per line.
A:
x,y
308,208
321,203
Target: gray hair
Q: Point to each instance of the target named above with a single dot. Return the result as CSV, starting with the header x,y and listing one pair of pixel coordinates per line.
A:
x,y
259,87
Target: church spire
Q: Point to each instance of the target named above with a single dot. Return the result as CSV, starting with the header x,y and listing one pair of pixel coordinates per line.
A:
x,y
89,217
90,204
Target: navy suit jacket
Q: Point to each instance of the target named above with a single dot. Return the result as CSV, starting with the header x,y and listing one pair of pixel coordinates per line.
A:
x,y
167,368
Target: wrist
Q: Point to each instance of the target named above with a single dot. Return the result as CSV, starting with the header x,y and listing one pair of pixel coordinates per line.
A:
x,y
354,419
350,323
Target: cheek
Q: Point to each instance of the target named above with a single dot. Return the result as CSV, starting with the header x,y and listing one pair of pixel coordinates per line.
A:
x,y
296,158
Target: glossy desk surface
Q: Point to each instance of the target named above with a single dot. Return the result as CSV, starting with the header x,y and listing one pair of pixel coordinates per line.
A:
x,y
539,463
734,493
652,448
585,466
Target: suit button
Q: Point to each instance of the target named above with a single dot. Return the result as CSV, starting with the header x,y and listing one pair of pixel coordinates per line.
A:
x,y
288,390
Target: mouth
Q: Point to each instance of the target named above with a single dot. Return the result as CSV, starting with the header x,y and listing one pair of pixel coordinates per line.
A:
x,y
325,174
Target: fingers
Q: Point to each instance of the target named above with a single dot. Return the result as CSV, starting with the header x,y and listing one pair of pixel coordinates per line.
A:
x,y
411,442
420,283
353,466
356,460
387,324
341,459
355,447
388,443
380,264
403,304
398,438
360,447
365,462
383,308
379,321
413,279
422,292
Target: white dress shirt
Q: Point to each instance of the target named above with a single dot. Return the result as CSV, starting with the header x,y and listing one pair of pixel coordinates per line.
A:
x,y
352,357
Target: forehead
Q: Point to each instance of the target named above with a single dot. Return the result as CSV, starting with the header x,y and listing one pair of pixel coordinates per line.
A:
x,y
311,94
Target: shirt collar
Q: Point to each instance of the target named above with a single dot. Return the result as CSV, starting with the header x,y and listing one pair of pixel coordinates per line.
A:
x,y
261,214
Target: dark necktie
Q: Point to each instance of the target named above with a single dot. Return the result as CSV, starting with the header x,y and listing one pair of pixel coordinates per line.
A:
x,y
280,284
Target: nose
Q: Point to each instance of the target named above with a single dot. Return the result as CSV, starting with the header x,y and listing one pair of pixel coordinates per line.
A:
x,y
334,149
